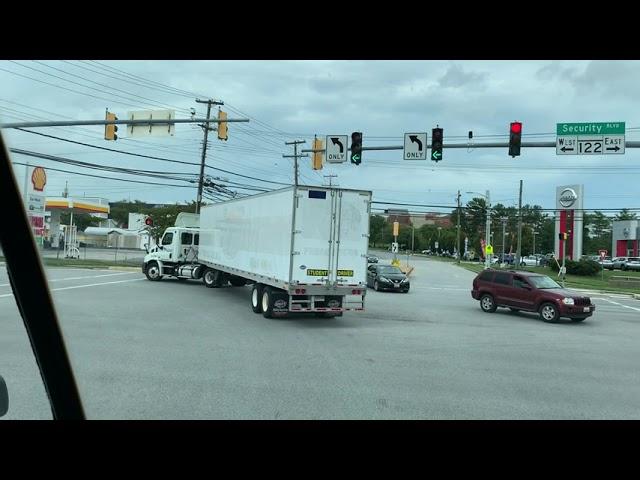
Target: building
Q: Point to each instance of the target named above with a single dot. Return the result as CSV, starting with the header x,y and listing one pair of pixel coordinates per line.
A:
x,y
625,238
403,217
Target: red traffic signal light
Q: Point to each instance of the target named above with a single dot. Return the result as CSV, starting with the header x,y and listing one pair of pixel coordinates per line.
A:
x,y
515,138
148,221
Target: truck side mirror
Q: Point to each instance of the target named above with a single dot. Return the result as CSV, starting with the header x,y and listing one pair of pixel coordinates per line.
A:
x,y
146,247
4,398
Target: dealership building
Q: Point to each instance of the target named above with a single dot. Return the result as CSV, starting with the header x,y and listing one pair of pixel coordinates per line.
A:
x,y
625,235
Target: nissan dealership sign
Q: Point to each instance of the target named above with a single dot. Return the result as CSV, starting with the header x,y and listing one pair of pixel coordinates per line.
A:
x,y
568,197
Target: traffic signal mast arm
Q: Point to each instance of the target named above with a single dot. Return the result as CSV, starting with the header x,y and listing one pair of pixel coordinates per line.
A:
x,y
71,123
635,144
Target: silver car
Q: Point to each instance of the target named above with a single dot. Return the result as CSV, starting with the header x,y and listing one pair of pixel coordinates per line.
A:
x,y
606,262
632,263
618,262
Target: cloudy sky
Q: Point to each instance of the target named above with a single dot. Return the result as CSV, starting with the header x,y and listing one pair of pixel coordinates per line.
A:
x,y
291,100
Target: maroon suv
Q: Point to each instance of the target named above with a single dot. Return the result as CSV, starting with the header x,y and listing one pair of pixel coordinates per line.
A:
x,y
529,292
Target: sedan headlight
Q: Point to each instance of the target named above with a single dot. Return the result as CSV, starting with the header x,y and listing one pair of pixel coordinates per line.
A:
x,y
385,279
568,301
404,280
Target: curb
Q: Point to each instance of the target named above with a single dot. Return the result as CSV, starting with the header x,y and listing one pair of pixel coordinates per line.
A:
x,y
127,269
604,292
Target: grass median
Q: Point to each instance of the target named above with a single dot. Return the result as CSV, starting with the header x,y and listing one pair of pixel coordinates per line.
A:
x,y
69,262
575,281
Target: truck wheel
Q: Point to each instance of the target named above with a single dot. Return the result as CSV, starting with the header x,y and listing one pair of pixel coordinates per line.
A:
x,y
549,313
256,297
209,278
267,303
237,281
153,272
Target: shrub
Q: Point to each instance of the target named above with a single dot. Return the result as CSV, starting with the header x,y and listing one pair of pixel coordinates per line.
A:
x,y
582,267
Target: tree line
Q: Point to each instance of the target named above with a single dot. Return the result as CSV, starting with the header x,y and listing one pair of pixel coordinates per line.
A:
x,y
597,232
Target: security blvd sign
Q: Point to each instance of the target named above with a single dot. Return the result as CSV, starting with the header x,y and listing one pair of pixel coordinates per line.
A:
x,y
596,138
415,146
336,148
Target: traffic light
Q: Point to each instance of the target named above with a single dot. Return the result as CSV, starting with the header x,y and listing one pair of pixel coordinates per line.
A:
x,y
110,130
223,127
317,156
356,147
515,138
436,144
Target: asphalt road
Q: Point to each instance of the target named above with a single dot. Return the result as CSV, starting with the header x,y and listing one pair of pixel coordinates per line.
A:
x,y
177,350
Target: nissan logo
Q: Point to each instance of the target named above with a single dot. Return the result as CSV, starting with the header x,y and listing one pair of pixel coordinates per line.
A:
x,y
568,197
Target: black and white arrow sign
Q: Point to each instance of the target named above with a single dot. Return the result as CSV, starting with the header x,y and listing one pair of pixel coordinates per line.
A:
x,y
415,146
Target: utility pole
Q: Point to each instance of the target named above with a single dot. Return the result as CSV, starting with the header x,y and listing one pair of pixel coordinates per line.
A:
x,y
487,240
519,227
204,148
330,177
25,193
295,157
458,238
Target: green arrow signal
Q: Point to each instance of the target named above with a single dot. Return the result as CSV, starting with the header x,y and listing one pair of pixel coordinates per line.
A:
x,y
436,155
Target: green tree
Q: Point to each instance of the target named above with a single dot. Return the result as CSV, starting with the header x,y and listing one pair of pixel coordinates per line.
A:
x,y
165,217
377,224
625,214
80,220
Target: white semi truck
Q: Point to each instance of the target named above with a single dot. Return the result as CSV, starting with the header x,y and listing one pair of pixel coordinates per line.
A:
x,y
304,249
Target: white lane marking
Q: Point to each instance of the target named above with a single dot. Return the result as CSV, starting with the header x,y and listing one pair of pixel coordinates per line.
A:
x,y
77,278
84,286
420,287
620,304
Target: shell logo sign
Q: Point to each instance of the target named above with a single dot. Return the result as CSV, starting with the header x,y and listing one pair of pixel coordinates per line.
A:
x,y
38,179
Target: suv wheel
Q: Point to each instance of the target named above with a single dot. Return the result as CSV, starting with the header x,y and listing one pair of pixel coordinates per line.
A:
x,y
487,303
549,313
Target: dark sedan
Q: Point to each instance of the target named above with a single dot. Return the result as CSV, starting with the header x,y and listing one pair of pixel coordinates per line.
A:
x,y
387,277
372,259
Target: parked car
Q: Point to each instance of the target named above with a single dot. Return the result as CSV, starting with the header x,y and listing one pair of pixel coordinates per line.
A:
x,y
529,261
546,260
632,263
606,262
372,259
618,262
387,277
529,292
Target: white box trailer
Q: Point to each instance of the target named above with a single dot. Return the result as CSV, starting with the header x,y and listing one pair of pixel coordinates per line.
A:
x,y
303,248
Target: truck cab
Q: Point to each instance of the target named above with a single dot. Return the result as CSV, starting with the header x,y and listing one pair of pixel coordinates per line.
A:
x,y
177,249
